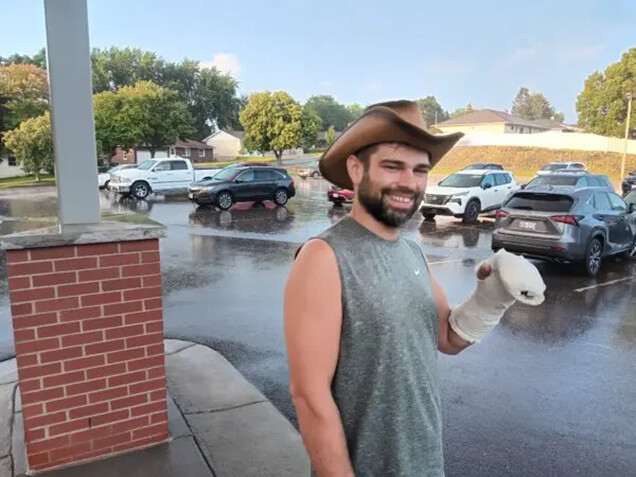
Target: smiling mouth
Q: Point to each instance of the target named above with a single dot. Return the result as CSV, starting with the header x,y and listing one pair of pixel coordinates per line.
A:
x,y
400,201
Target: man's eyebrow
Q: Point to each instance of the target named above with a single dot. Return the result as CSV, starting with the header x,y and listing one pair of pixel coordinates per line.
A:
x,y
397,162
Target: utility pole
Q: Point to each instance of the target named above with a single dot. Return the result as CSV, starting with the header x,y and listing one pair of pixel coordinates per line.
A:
x,y
627,120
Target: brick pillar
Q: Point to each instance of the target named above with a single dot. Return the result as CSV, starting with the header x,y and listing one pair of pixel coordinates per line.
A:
x,y
88,334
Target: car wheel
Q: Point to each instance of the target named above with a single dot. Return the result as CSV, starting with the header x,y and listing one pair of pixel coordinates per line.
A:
x,y
428,217
224,200
140,190
593,257
472,212
315,175
281,196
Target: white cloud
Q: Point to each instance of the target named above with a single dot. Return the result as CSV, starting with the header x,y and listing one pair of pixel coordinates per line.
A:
x,y
582,52
447,68
225,63
522,55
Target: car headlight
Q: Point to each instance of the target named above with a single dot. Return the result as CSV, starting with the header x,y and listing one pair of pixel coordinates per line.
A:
x,y
457,198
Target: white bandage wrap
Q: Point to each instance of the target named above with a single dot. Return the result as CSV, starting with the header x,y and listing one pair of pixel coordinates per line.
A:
x,y
512,278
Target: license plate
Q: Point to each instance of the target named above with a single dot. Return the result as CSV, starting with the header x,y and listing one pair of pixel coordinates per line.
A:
x,y
527,225
336,196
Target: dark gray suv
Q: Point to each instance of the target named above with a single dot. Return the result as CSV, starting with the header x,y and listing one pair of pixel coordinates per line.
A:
x,y
567,224
575,179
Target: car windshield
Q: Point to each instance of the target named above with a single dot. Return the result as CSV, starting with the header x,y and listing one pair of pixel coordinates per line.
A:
x,y
553,181
462,180
146,165
554,167
540,202
225,174
630,198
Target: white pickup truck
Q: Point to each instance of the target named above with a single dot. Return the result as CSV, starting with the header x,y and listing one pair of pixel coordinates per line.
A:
x,y
170,175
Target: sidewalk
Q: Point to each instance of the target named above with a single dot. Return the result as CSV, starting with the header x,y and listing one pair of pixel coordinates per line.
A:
x,y
220,425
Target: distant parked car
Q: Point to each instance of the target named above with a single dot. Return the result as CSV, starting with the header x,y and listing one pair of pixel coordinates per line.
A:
x,y
466,194
310,171
483,166
104,177
556,166
339,196
243,184
568,178
629,183
566,224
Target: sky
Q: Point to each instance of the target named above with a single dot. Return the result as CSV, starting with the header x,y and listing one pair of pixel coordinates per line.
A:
x,y
366,51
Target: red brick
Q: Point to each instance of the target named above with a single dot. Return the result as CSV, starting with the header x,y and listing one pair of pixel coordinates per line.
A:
x,y
47,445
111,417
126,355
76,264
89,455
91,410
57,304
159,395
155,429
104,347
102,323
159,417
125,331
154,327
148,386
159,372
121,284
105,371
130,401
29,268
81,314
150,257
70,452
37,345
17,256
64,378
31,435
25,360
27,385
145,363
46,420
152,281
58,330
34,320
61,462
68,427
153,304
111,440
83,338
78,289
21,309
97,249
43,395
140,270
159,406
66,403
85,387
32,295
101,298
131,424
52,253
84,363
19,283
54,279
99,274
143,317
92,433
119,260
142,293
122,308
128,378
108,394
144,340
61,354
24,335
154,350
32,410
38,460
39,370
140,246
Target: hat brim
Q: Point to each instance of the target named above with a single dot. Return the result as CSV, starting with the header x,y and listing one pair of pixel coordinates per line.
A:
x,y
380,125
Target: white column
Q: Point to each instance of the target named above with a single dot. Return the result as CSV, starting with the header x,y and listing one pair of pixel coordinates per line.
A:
x,y
70,84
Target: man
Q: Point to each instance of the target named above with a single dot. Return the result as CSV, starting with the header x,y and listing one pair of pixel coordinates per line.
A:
x,y
364,316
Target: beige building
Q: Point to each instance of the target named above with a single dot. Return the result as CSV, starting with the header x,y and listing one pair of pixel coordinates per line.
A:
x,y
226,144
498,122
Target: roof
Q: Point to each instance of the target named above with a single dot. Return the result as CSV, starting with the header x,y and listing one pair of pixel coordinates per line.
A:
x,y
232,132
550,124
488,116
482,172
193,144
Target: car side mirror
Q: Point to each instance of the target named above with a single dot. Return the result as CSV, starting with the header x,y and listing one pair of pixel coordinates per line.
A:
x,y
440,183
523,186
486,186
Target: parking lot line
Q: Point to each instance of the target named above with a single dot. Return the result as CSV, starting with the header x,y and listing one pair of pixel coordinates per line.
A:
x,y
446,261
611,282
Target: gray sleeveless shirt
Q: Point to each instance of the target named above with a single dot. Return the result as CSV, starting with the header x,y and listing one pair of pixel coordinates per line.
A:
x,y
386,383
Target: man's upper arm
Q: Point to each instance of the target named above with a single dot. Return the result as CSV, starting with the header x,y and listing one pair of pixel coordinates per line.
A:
x,y
313,317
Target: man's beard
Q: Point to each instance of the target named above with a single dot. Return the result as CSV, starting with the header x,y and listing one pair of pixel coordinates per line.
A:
x,y
376,202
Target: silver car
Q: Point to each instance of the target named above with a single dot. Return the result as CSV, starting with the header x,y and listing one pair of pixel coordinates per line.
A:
x,y
567,224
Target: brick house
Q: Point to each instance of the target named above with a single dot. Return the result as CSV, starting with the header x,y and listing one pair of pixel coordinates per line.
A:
x,y
196,151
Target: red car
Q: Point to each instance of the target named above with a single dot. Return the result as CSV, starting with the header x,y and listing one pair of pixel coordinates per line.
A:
x,y
340,196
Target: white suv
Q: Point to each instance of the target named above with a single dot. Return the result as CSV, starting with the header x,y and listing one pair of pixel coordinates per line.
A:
x,y
466,194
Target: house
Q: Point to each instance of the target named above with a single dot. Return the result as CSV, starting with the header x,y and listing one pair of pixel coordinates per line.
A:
x,y
196,151
228,144
489,120
9,167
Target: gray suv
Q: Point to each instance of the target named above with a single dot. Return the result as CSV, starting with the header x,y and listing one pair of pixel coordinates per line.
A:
x,y
567,224
575,179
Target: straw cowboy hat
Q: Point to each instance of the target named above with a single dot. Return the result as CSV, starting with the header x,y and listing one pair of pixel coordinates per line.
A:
x,y
393,121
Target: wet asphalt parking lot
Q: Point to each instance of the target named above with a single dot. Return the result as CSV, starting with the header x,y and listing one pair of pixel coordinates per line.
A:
x,y
551,392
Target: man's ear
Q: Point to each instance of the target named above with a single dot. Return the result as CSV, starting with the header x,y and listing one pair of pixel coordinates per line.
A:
x,y
355,168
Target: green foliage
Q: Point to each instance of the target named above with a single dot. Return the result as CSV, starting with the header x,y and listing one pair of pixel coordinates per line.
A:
x,y
310,125
602,105
462,111
532,106
39,59
272,122
32,145
330,135
330,111
356,110
432,112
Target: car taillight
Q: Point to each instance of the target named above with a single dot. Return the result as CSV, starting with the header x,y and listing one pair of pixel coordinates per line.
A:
x,y
567,219
501,214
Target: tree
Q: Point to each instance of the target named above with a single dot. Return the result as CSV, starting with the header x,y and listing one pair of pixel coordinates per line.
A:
x,y
310,125
462,111
330,136
432,112
356,110
330,111
32,145
272,122
532,106
602,105
39,59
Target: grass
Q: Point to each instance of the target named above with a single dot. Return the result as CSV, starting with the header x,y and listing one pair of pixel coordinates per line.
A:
x,y
26,181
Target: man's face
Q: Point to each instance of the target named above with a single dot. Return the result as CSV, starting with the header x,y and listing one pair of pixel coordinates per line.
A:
x,y
393,183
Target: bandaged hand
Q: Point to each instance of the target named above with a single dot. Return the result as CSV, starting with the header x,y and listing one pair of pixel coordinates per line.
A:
x,y
511,278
